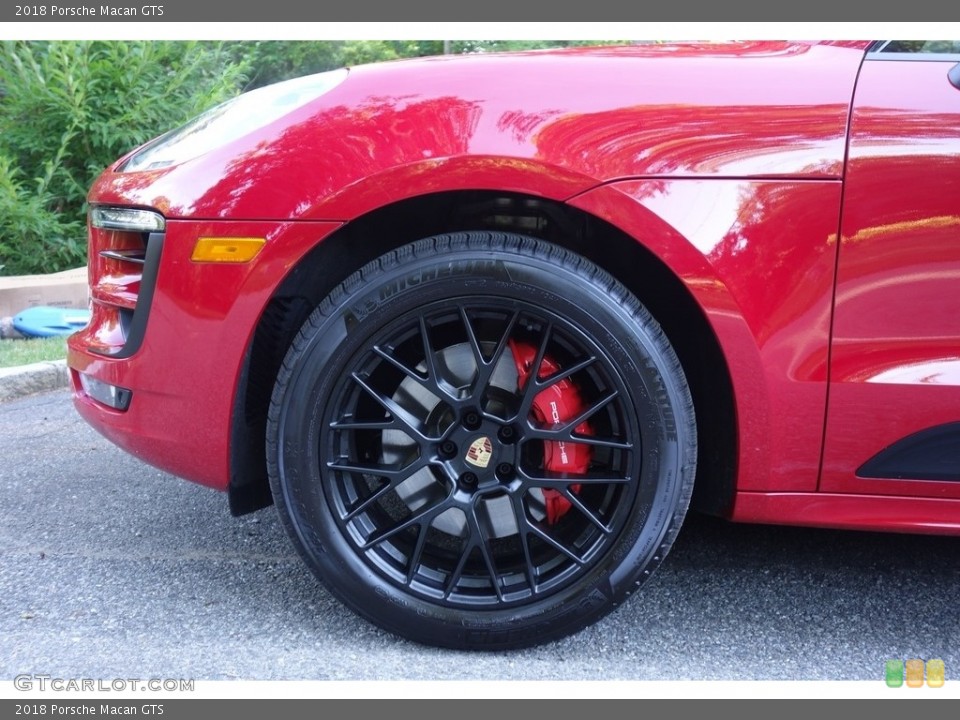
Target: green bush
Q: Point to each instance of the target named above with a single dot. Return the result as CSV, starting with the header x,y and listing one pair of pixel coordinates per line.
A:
x,y
67,110
33,237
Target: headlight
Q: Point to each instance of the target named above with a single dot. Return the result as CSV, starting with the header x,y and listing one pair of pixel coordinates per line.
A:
x,y
231,120
131,219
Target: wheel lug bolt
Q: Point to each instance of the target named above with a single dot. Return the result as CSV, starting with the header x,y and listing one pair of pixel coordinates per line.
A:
x,y
504,471
448,449
507,434
471,420
469,479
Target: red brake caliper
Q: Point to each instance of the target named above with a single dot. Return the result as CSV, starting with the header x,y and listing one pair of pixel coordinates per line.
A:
x,y
552,407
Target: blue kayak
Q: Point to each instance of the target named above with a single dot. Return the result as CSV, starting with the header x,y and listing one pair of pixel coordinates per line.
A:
x,y
48,321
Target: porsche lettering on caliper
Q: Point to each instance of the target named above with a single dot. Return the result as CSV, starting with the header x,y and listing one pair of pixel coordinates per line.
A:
x,y
552,408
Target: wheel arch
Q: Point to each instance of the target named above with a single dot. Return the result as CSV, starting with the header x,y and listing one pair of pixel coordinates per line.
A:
x,y
391,226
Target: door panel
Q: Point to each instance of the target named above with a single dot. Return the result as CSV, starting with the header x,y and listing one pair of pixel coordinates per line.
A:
x,y
895,364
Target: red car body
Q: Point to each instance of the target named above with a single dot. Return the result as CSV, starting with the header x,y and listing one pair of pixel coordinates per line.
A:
x,y
788,212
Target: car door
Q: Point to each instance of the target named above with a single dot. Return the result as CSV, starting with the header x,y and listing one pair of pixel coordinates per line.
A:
x,y
893,419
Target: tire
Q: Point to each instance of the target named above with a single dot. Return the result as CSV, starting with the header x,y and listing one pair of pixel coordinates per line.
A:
x,y
446,491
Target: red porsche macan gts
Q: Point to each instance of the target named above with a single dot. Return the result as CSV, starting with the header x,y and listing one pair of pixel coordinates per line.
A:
x,y
483,327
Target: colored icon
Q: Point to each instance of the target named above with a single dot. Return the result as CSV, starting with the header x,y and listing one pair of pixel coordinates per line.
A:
x,y
894,673
935,673
914,673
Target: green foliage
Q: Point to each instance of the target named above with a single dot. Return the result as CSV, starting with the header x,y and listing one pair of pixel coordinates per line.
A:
x,y
68,109
275,60
35,238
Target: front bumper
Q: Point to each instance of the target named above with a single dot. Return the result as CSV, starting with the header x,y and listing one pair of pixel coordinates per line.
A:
x,y
183,367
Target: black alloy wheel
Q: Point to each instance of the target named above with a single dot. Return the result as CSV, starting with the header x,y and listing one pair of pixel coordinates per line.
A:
x,y
481,441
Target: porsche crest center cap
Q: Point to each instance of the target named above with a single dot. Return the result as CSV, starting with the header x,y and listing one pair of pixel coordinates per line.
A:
x,y
480,452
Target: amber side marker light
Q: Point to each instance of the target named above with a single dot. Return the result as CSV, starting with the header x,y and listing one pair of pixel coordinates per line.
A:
x,y
226,250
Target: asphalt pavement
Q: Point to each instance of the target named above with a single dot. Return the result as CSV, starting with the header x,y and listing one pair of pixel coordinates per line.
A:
x,y
110,568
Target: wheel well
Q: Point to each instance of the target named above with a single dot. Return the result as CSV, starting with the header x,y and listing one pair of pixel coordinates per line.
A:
x,y
390,227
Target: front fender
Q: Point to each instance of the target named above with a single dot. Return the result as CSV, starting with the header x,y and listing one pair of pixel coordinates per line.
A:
x,y
758,256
